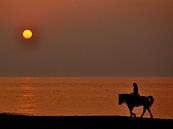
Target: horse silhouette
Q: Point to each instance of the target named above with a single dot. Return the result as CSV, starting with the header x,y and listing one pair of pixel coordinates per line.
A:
x,y
135,101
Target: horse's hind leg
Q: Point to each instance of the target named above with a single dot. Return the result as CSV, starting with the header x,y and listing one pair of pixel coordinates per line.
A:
x,y
150,113
144,110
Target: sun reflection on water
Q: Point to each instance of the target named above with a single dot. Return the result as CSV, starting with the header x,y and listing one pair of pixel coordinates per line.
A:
x,y
26,97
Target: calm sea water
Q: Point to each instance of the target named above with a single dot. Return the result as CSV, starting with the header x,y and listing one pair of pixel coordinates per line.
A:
x,y
82,95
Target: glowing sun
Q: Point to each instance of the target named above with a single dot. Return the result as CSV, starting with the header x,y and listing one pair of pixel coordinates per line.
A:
x,y
27,34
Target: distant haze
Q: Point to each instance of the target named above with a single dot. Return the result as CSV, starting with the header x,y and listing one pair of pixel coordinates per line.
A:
x,y
87,38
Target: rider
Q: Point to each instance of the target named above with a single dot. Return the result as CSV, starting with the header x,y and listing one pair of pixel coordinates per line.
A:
x,y
135,90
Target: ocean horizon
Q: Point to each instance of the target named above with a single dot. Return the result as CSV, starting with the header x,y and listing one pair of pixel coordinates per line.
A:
x,y
82,96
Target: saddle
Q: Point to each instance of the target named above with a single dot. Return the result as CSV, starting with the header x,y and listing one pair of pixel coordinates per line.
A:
x,y
136,97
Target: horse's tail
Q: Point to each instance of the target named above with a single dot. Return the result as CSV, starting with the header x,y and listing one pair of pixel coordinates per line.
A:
x,y
151,100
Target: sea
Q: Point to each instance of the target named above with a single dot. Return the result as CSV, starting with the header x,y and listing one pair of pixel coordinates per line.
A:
x,y
82,96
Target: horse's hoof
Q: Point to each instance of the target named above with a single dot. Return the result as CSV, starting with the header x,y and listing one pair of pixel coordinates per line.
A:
x,y
141,116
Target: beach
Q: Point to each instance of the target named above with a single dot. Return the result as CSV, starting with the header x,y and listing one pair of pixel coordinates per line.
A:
x,y
81,122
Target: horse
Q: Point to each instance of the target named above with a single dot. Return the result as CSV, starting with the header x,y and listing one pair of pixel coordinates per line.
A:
x,y
135,101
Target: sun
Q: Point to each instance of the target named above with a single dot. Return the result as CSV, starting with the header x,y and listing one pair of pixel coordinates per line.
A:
x,y
27,34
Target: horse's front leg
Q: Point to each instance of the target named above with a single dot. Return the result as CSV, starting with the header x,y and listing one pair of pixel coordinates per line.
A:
x,y
131,113
144,110
134,115
130,110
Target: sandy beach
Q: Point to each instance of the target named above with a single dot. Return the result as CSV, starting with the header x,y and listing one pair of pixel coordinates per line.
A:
x,y
14,121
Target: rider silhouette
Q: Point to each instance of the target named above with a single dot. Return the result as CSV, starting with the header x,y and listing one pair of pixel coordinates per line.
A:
x,y
135,90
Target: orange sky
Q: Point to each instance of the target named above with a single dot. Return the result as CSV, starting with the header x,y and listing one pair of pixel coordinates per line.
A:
x,y
76,37
47,11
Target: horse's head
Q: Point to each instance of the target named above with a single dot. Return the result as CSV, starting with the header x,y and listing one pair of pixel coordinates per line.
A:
x,y
121,99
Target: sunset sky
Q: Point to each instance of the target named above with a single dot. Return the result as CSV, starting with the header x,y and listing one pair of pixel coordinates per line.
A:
x,y
87,38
